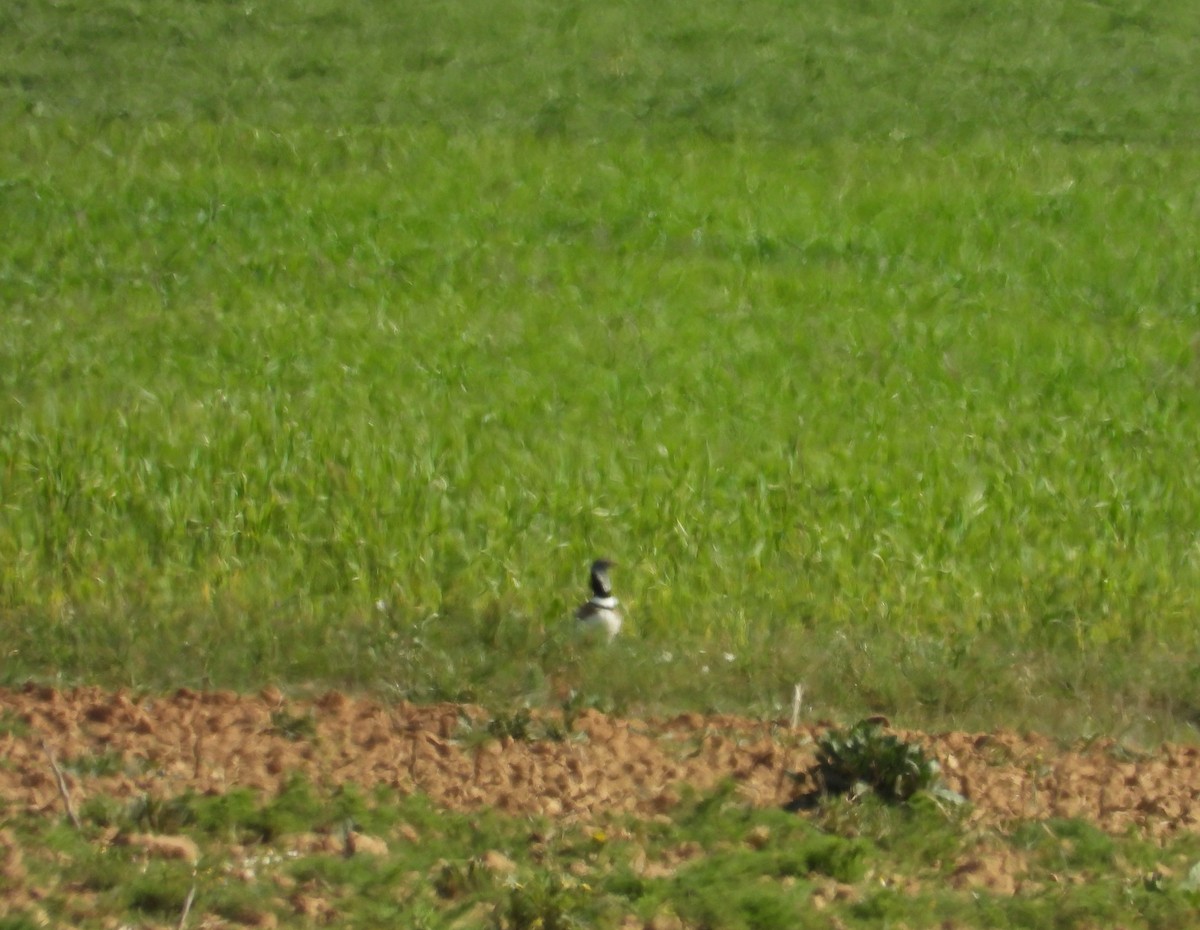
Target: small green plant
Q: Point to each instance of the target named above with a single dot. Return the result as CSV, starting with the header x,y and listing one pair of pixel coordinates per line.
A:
x,y
105,763
522,726
293,727
517,725
548,902
865,758
160,815
455,879
103,811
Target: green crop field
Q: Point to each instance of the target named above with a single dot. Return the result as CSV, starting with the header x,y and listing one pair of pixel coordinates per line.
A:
x,y
339,337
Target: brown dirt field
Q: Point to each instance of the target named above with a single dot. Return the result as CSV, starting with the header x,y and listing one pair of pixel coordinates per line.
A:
x,y
213,741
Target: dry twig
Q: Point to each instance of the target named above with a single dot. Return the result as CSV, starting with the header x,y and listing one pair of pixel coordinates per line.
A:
x,y
62,787
187,906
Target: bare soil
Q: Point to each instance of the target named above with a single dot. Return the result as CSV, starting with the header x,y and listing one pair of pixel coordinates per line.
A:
x,y
118,745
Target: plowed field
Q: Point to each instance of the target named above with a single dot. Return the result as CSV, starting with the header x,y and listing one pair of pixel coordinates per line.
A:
x,y
117,745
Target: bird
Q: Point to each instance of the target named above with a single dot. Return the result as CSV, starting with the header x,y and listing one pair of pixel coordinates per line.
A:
x,y
602,610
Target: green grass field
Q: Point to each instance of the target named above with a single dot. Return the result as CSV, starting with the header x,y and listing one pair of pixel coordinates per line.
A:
x,y
337,339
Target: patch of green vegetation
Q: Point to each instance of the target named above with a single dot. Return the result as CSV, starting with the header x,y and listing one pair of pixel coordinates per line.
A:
x,y
349,805
159,889
713,861
923,833
295,727
835,857
156,814
517,725
1072,844
20,920
365,874
103,811
296,808
756,907
553,902
14,725
240,814
240,902
101,869
226,815
521,725
103,763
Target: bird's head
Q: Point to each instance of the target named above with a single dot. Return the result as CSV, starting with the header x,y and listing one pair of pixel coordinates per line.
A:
x,y
601,583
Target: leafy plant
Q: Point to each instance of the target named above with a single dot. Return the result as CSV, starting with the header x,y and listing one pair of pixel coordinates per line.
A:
x,y
547,902
865,758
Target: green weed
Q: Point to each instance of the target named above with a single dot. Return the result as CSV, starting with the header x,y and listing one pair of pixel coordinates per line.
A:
x,y
864,758
101,870
294,727
157,814
296,808
552,902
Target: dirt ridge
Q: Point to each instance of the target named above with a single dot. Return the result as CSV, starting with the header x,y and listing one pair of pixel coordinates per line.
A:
x,y
118,745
